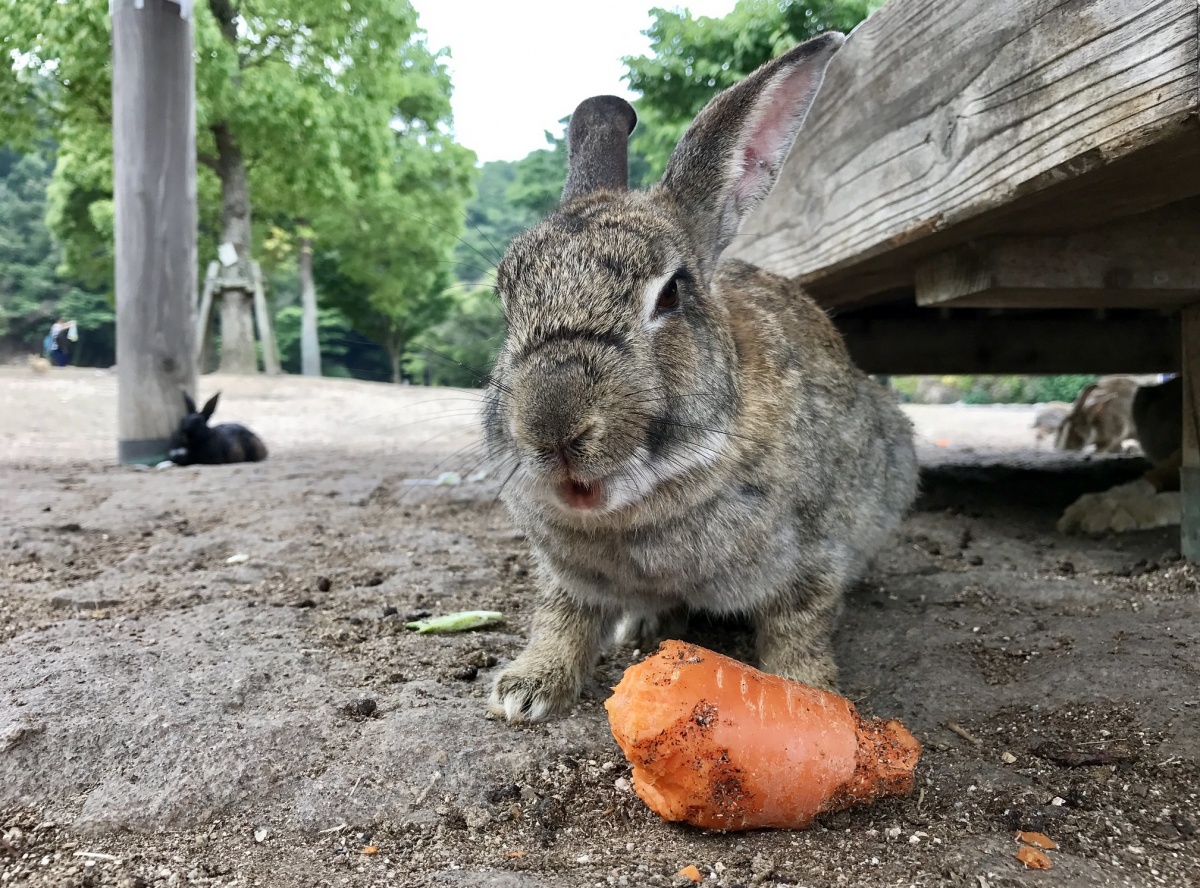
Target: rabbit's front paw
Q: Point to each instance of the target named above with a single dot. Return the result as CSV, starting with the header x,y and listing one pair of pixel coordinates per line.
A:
x,y
529,692
814,670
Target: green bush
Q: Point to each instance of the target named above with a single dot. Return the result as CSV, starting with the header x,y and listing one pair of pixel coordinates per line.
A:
x,y
1007,389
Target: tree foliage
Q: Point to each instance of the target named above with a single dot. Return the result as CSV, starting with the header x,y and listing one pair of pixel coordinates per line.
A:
x,y
32,292
692,59
336,111
491,221
461,350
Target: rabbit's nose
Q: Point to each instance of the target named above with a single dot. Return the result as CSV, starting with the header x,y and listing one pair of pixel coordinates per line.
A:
x,y
561,440
572,445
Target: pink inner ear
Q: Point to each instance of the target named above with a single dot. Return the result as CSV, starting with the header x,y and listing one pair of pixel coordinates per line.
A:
x,y
771,130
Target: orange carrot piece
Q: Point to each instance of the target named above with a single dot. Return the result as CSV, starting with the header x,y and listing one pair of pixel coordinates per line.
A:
x,y
720,745
1033,858
690,872
1037,839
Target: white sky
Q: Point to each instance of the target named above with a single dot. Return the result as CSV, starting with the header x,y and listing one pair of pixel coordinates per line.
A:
x,y
518,66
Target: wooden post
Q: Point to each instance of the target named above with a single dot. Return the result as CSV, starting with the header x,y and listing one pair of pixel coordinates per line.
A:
x,y
204,318
154,161
262,317
1189,474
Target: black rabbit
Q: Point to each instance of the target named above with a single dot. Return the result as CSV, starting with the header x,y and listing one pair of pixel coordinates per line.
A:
x,y
196,443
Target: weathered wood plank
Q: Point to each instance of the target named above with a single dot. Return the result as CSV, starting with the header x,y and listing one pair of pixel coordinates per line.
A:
x,y
938,116
976,342
262,318
1189,475
1151,260
154,189
204,314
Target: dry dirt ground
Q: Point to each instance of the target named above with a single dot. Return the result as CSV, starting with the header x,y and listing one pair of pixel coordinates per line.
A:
x,y
171,714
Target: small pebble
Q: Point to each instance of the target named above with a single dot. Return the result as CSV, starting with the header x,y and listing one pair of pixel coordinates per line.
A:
x,y
467,673
363,708
324,584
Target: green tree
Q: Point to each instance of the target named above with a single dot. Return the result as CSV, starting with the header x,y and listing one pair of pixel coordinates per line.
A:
x,y
298,105
461,350
334,332
32,293
692,59
492,220
388,265
29,287
540,178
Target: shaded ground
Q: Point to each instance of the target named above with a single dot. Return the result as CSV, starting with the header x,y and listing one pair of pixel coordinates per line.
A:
x,y
172,714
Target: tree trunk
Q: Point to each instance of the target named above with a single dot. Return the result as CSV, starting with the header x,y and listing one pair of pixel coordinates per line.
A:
x,y
154,191
237,326
397,371
310,346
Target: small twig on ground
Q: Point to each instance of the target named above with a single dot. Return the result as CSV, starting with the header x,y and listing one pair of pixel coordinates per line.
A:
x,y
96,855
956,728
333,829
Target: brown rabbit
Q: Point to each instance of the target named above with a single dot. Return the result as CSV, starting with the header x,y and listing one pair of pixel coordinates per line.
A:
x,y
1049,419
682,433
1100,417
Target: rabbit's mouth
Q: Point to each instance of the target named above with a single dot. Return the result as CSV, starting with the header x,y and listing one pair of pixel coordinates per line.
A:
x,y
582,495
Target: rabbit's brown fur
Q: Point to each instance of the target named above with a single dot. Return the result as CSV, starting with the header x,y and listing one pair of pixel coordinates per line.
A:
x,y
683,434
1100,417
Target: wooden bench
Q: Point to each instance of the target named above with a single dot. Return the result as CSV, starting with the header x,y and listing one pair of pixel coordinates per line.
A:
x,y
1008,187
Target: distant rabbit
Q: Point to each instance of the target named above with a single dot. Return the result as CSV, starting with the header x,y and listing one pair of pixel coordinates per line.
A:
x,y
680,432
197,443
1152,500
1049,419
38,364
1101,417
1158,419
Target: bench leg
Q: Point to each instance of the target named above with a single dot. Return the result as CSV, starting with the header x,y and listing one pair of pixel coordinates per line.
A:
x,y
1189,475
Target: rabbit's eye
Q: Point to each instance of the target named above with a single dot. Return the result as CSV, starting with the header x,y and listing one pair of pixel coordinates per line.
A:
x,y
668,298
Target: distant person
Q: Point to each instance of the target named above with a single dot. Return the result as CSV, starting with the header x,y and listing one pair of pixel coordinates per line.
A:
x,y
64,333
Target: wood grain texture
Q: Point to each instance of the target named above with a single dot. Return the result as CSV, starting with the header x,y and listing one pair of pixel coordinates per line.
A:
x,y
1190,473
154,158
941,116
1191,385
1081,342
1151,260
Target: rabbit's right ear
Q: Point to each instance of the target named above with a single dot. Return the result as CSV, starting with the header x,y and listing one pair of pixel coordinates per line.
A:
x,y
210,406
729,159
597,146
188,403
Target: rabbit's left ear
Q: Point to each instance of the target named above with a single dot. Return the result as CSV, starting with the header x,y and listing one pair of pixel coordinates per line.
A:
x,y
188,403
729,159
210,406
